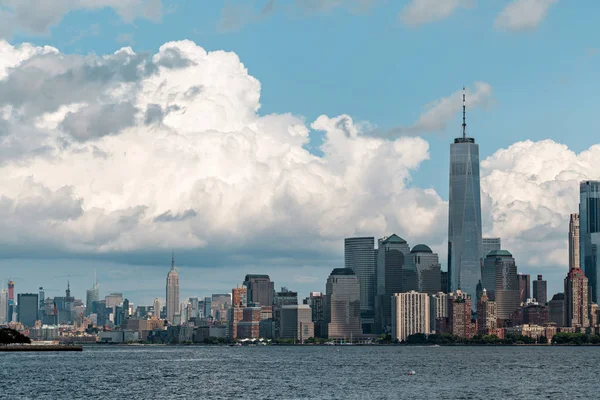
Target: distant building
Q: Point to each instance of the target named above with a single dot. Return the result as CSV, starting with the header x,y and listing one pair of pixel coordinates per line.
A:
x,y
239,297
524,287
589,232
490,244
501,265
92,296
282,298
438,304
574,243
410,314
296,323
342,312
220,303
172,292
428,269
3,306
316,302
249,326
260,289
41,298
539,290
444,281
27,309
113,300
556,309
208,307
459,315
156,308
486,314
359,256
576,299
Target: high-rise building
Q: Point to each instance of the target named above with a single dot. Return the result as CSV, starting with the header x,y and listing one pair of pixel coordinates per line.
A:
x,y
539,290
208,307
574,244
113,300
359,256
316,302
459,315
3,306
524,287
283,298
506,283
260,290
91,297
428,268
410,314
589,233
465,248
41,298
156,307
438,312
296,322
11,291
576,299
444,281
490,244
342,312
27,309
220,303
239,297
486,314
172,292
556,309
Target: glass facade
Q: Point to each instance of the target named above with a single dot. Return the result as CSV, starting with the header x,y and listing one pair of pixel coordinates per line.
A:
x,y
358,256
589,233
464,218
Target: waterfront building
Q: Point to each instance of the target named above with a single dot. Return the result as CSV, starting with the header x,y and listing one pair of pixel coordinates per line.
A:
x,y
410,314
342,313
249,326
465,248
296,322
428,269
260,289
556,309
574,243
459,315
360,257
316,302
486,314
27,309
438,312
589,233
506,285
283,298
524,287
576,299
540,290
490,244
172,292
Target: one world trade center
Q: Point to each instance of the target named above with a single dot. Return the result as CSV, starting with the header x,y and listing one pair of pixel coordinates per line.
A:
x,y
464,217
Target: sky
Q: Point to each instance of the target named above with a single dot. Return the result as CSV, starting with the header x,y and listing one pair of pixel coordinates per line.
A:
x,y
253,136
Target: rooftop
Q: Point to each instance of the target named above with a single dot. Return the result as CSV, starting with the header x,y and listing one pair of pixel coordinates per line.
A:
x,y
421,248
393,239
499,253
342,271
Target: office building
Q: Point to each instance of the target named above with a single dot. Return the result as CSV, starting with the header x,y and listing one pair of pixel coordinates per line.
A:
x,y
438,312
524,287
41,298
506,288
156,307
359,256
220,303
574,244
249,326
576,299
283,298
589,233
486,314
239,297
410,314
465,248
540,290
296,322
444,281
490,244
208,307
260,290
172,292
428,269
27,309
91,296
3,306
459,315
342,313
113,300
556,309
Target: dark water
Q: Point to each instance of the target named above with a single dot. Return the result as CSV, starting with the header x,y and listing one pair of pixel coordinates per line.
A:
x,y
303,373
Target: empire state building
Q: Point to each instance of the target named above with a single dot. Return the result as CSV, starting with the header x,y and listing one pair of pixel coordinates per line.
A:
x,y
465,249
172,292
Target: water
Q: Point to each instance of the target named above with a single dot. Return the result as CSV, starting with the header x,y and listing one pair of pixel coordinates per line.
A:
x,y
351,372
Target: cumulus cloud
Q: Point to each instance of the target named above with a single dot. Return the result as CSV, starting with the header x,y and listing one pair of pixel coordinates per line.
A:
x,y
419,12
136,152
521,15
38,16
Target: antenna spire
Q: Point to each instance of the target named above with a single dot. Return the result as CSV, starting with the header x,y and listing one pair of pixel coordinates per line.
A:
x,y
172,259
464,124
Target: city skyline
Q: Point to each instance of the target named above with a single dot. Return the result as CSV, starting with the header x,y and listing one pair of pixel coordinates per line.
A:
x,y
248,162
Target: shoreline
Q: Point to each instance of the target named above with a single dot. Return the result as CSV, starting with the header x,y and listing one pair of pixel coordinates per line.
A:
x,y
48,347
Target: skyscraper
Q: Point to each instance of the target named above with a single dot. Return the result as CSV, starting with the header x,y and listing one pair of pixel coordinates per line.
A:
x,y
3,306
438,311
410,314
490,244
524,287
156,306
506,283
574,244
342,311
239,297
296,322
91,297
589,231
172,292
540,293
41,298
11,291
486,314
260,289
428,269
576,299
359,256
465,249
556,309
27,309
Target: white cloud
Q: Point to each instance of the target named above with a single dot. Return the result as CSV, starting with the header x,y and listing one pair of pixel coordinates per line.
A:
x,y
135,153
521,15
38,16
419,12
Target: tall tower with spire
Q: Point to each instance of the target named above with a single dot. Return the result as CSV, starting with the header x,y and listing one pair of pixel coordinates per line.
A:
x,y
172,291
465,250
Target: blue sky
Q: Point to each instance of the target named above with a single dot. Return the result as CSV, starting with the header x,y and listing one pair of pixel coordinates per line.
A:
x,y
369,64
